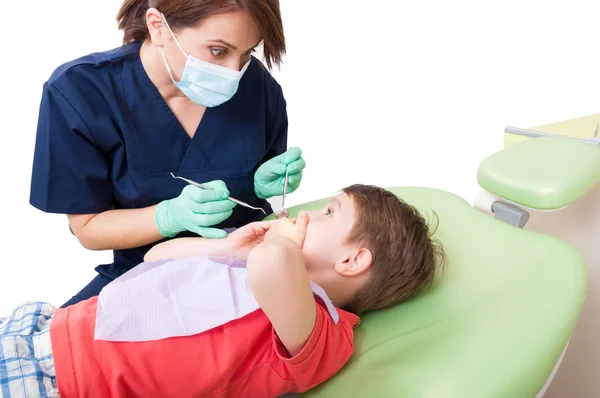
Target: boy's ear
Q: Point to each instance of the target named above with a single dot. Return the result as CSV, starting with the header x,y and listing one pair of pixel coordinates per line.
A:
x,y
355,262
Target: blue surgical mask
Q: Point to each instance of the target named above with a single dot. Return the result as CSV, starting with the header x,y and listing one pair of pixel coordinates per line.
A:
x,y
204,83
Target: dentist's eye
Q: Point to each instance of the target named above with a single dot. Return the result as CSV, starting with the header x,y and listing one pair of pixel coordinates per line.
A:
x,y
217,52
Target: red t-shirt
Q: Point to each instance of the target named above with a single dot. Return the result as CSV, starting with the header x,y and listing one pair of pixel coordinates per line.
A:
x,y
243,358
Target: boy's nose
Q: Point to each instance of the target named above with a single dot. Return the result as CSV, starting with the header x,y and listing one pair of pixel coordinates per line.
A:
x,y
310,214
304,213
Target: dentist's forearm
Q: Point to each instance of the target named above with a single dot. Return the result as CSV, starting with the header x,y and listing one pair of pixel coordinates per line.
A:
x,y
115,229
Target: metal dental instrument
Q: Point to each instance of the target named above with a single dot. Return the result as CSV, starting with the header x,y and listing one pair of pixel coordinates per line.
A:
x,y
283,213
239,202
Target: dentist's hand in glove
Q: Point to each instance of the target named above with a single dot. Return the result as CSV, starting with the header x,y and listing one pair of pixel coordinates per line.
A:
x,y
270,177
195,210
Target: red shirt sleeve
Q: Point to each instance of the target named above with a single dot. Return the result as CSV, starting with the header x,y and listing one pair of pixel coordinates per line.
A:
x,y
327,350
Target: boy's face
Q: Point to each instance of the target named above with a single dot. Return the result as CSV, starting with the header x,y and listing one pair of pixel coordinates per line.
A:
x,y
326,233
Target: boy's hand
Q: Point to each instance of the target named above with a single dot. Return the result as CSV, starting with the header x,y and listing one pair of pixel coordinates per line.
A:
x,y
241,241
293,229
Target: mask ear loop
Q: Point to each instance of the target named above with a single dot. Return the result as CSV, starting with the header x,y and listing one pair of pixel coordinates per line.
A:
x,y
178,45
170,31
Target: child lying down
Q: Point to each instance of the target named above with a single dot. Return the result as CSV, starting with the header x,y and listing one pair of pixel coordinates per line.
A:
x,y
266,311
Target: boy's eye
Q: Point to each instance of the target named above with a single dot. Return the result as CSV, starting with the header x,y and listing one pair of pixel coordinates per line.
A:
x,y
328,211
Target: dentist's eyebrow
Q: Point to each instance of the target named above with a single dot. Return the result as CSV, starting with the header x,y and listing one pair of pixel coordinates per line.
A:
x,y
223,42
231,46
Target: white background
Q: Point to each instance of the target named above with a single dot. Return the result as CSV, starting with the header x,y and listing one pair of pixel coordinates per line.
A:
x,y
382,92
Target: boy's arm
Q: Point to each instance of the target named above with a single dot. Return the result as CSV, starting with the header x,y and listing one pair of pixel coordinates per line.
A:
x,y
186,247
281,287
237,244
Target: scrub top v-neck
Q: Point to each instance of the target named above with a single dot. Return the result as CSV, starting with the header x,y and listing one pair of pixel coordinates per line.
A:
x,y
106,139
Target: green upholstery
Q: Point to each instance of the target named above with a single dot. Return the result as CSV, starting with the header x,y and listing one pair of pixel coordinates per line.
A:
x,y
494,325
542,173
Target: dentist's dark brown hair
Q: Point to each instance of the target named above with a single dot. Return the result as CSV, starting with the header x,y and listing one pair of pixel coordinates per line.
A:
x,y
189,13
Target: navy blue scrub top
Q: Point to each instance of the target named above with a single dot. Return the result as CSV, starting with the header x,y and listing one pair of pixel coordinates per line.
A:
x,y
106,139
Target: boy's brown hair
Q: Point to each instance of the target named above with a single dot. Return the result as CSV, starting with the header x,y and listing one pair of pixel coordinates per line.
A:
x,y
405,254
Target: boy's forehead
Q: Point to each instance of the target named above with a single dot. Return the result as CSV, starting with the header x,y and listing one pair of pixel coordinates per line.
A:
x,y
339,198
343,201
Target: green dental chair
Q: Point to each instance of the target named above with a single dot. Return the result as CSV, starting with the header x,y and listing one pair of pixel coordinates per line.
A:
x,y
495,324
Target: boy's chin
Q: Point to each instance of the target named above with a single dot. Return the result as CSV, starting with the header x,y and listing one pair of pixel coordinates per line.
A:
x,y
312,264
307,262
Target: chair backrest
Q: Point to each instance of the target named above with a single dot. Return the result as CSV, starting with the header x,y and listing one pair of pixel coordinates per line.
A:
x,y
493,325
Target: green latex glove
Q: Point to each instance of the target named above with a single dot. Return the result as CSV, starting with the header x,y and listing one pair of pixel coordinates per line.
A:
x,y
270,177
195,209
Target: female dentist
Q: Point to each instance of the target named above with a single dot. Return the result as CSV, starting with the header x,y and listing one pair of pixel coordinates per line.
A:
x,y
184,95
